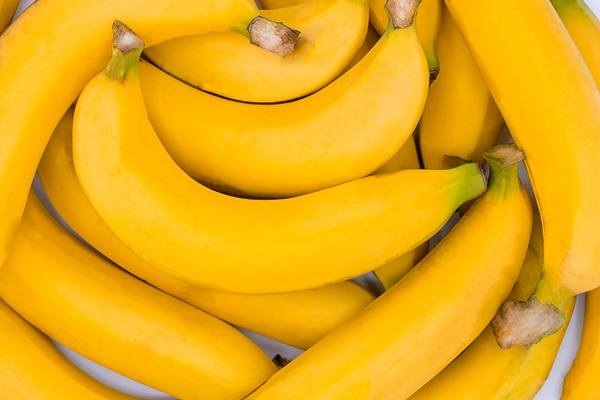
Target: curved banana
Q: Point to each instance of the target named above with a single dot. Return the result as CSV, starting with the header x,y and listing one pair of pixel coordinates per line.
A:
x,y
228,65
484,371
86,303
239,245
460,117
343,132
551,106
581,382
53,49
408,334
429,20
7,11
584,28
31,367
297,319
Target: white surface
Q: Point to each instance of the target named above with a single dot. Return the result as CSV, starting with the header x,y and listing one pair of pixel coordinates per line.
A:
x,y
550,391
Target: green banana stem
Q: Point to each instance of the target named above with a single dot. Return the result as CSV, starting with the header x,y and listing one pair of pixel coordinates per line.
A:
x,y
127,48
504,163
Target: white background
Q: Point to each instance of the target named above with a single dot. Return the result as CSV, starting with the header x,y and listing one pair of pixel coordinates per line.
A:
x,y
550,391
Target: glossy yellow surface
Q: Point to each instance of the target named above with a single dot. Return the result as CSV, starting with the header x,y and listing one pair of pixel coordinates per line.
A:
x,y
551,106
298,319
486,372
86,303
226,243
582,380
342,132
7,11
584,28
52,50
460,117
413,330
31,367
227,64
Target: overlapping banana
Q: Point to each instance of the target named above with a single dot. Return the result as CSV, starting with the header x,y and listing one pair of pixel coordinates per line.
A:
x,y
53,49
86,303
238,245
342,132
298,319
31,367
559,141
428,23
228,65
460,117
7,11
424,321
484,371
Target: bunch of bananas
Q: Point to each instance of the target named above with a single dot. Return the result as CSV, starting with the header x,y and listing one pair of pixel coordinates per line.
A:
x,y
210,168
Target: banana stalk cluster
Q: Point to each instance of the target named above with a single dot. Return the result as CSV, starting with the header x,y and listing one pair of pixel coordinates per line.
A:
x,y
208,166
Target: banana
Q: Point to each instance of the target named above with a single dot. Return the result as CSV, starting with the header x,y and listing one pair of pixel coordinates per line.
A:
x,y
408,334
551,106
584,28
7,11
228,65
31,367
371,38
393,271
429,20
343,132
297,319
581,382
53,49
460,117
232,244
86,303
486,372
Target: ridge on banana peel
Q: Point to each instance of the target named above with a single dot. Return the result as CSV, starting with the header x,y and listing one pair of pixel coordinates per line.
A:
x,y
228,65
343,132
88,304
460,116
31,367
232,244
484,371
41,78
425,320
298,319
559,135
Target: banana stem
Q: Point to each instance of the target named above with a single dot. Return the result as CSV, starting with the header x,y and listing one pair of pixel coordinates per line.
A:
x,y
402,12
127,48
275,37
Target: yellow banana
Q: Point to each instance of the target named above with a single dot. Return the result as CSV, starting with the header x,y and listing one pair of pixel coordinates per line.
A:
x,y
298,319
393,271
460,117
83,301
371,38
551,106
343,132
581,382
7,11
484,371
428,23
53,49
239,245
228,65
429,20
584,28
408,334
31,367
